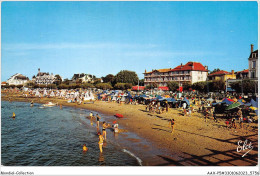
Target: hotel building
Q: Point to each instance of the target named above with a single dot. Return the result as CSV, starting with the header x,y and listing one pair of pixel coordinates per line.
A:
x,y
190,72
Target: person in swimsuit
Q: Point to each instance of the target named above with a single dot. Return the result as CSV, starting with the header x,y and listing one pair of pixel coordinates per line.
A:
x,y
100,142
91,118
85,148
172,124
31,103
104,126
233,123
98,118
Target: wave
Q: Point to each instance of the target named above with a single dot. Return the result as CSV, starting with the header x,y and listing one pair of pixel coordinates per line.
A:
x,y
133,155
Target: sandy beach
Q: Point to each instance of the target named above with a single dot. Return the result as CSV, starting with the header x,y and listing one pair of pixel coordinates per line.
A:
x,y
194,141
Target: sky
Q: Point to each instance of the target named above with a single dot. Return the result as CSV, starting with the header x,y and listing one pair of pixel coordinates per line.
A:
x,y
103,38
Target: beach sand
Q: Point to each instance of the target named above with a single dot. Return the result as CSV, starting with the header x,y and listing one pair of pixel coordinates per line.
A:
x,y
194,141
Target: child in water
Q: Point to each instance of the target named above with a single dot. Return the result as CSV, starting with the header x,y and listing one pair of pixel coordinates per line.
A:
x,y
85,148
100,142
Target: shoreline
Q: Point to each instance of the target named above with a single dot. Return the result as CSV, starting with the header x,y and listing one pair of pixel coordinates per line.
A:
x,y
194,142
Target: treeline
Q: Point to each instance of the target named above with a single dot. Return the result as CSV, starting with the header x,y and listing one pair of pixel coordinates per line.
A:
x,y
245,86
121,81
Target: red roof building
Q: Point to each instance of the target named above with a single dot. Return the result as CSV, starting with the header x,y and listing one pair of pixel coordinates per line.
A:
x,y
222,75
190,72
242,74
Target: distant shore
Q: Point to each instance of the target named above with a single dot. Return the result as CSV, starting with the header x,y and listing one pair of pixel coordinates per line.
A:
x,y
194,141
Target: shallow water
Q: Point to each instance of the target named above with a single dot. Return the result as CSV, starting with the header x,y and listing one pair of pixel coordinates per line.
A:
x,y
54,137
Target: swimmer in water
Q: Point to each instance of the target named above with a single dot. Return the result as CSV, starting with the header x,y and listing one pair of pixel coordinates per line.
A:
x,y
100,142
13,115
31,103
104,126
98,118
85,148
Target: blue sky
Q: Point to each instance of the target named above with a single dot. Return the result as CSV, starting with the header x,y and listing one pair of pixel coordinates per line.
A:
x,y
105,37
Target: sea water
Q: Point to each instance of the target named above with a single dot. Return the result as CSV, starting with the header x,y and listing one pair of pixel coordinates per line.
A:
x,y
52,137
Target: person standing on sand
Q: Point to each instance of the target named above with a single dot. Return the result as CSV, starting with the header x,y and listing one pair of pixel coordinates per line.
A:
x,y
233,123
100,142
98,118
240,117
166,106
206,114
172,124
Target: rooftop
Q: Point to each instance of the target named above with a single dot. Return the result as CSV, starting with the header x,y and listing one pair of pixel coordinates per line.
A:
x,y
219,73
192,66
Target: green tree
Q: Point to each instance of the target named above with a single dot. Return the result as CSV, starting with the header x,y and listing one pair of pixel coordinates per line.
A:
x,y
125,76
88,85
200,86
108,78
119,86
63,86
215,70
173,85
66,81
248,86
29,84
97,81
52,86
57,80
151,86
217,85
128,86
141,82
103,86
186,85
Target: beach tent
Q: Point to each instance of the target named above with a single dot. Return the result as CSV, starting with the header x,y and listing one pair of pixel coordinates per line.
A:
x,y
227,101
158,97
240,101
123,98
45,93
170,100
52,94
86,97
233,106
37,94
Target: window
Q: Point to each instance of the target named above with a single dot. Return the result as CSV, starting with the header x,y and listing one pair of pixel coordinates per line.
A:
x,y
253,64
253,74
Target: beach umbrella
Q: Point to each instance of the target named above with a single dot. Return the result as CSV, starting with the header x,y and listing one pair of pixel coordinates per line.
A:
x,y
170,99
232,106
240,102
254,106
159,97
227,101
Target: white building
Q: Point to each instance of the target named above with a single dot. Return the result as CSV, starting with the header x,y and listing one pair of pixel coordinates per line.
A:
x,y
191,72
253,64
43,78
83,77
17,79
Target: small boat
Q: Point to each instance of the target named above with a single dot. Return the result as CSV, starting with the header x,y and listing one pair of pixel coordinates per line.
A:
x,y
49,104
119,115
